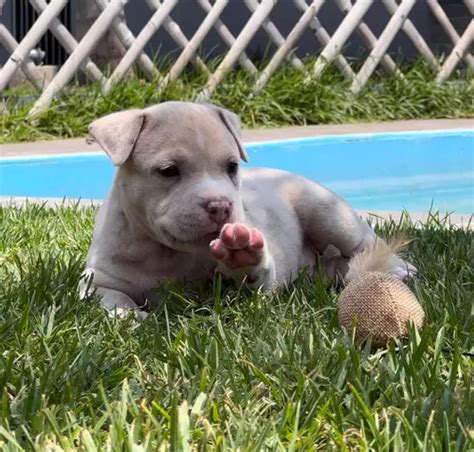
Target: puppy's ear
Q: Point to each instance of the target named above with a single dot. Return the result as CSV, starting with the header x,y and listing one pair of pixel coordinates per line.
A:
x,y
117,133
232,122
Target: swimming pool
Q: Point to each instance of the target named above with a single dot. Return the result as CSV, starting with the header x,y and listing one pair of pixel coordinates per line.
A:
x,y
416,171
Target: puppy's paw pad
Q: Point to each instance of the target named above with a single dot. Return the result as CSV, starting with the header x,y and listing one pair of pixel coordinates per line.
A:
x,y
238,246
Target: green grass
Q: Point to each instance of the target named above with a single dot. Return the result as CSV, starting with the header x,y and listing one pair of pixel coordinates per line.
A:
x,y
286,100
224,368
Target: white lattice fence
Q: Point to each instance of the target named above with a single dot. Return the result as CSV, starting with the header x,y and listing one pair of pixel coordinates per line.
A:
x,y
110,18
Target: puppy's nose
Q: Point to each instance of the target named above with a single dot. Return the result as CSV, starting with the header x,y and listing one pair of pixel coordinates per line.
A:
x,y
219,210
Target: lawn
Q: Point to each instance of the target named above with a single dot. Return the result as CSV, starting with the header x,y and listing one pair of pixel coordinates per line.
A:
x,y
288,99
223,368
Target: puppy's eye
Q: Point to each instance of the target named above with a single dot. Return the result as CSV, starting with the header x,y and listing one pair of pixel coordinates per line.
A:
x,y
232,168
168,171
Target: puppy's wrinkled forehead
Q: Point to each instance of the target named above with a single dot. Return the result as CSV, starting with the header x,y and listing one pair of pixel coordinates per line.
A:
x,y
203,130
184,128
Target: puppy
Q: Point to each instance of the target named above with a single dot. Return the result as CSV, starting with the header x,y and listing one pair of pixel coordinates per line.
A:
x,y
181,207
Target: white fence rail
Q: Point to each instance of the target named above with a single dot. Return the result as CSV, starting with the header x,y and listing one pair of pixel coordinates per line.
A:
x,y
111,18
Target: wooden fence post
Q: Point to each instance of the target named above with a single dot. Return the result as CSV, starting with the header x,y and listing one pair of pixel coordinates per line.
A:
x,y
32,38
370,40
470,6
127,39
227,37
178,36
61,33
194,42
323,37
394,24
27,66
457,53
274,34
449,29
140,42
241,42
345,29
415,37
288,45
81,52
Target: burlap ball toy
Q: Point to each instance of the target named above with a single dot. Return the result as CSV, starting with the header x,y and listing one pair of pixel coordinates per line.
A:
x,y
380,305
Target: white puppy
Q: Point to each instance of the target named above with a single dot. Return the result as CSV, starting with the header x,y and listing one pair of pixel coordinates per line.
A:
x,y
181,207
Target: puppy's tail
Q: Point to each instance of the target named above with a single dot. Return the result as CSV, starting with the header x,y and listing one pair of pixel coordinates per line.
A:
x,y
379,257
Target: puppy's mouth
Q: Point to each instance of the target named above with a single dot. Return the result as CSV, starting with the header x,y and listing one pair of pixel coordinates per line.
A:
x,y
204,239
211,236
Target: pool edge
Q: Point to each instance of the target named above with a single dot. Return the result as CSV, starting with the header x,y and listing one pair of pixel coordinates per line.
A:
x,y
320,139
78,145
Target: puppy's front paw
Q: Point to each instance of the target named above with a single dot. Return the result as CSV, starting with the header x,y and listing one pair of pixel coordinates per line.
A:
x,y
238,246
123,313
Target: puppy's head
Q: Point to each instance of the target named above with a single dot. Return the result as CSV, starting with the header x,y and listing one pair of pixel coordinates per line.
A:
x,y
178,169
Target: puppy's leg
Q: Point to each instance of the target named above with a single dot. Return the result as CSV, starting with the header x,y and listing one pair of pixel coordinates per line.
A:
x,y
119,304
327,219
333,268
115,302
241,252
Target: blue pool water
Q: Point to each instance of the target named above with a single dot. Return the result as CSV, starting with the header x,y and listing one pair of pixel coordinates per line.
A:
x,y
417,171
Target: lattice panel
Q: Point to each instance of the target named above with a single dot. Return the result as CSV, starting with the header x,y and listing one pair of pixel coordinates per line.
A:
x,y
111,18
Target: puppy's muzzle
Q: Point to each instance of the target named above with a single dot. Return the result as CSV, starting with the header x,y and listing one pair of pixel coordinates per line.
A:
x,y
219,210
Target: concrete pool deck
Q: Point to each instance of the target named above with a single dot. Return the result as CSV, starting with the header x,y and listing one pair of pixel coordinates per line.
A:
x,y
79,145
